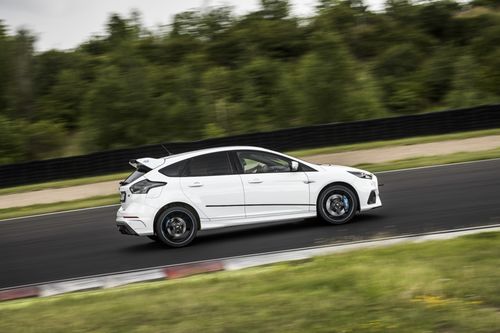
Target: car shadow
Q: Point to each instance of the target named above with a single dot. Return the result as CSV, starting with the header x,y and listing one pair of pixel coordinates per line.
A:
x,y
257,231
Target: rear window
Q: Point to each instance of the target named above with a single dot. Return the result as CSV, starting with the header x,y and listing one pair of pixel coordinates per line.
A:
x,y
141,170
135,175
214,164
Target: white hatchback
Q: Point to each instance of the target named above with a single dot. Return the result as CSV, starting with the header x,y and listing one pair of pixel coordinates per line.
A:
x,y
170,199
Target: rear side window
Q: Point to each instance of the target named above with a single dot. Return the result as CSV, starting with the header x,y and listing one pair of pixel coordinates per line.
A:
x,y
215,164
174,170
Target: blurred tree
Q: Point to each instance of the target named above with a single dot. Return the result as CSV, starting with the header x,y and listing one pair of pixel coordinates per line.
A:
x,y
396,69
5,67
218,86
20,90
64,100
465,90
330,86
212,73
275,9
260,78
12,145
436,75
113,106
44,139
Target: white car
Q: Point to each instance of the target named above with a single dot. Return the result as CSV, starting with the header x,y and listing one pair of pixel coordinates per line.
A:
x,y
170,199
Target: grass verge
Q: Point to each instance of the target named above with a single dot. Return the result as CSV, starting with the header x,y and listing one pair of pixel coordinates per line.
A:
x,y
63,183
441,286
297,153
432,160
7,213
398,142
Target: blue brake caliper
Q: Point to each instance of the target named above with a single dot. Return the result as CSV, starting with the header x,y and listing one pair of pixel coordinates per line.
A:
x,y
346,202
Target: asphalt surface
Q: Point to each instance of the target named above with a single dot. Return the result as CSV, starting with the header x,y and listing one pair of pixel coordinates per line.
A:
x,y
76,244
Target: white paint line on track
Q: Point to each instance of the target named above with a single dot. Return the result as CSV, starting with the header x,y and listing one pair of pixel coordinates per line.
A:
x,y
304,253
56,213
438,165
250,260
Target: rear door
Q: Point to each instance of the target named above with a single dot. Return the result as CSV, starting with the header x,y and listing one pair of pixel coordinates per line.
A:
x,y
212,185
271,187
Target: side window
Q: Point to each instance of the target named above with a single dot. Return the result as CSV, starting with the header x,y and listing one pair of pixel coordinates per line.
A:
x,y
174,170
262,162
215,164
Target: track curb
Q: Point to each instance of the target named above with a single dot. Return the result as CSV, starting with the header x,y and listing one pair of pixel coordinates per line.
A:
x,y
227,264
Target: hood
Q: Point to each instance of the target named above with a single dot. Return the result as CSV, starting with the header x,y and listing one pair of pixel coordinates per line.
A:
x,y
328,167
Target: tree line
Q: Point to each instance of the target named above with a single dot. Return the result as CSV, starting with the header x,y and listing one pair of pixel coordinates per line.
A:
x,y
212,73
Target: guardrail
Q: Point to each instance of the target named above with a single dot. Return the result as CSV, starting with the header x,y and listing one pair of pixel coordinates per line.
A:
x,y
106,162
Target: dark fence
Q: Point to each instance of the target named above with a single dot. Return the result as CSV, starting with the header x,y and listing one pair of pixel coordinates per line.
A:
x,y
106,162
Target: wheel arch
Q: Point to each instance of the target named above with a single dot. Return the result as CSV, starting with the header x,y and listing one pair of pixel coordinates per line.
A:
x,y
349,186
177,204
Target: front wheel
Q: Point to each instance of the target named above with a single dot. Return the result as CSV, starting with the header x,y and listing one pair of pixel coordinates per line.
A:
x,y
177,226
337,204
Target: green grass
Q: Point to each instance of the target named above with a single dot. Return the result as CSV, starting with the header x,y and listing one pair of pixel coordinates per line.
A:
x,y
432,160
7,213
64,183
388,143
440,286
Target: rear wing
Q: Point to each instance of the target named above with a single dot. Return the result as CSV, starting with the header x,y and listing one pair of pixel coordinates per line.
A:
x,y
146,164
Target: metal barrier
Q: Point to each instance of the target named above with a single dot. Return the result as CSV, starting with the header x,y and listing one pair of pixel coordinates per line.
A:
x,y
106,162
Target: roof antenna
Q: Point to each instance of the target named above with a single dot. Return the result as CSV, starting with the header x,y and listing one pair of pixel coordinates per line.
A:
x,y
168,151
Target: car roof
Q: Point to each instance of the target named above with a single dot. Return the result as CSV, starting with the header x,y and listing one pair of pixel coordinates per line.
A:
x,y
178,157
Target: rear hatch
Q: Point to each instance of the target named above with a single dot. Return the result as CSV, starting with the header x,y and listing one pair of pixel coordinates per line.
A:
x,y
142,166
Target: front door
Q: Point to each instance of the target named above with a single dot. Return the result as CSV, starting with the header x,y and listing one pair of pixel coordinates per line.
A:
x,y
270,185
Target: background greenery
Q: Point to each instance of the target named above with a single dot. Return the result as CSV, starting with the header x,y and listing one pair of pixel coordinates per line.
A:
x,y
214,73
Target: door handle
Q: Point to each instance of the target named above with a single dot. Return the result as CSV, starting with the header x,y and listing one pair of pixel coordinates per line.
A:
x,y
196,184
255,181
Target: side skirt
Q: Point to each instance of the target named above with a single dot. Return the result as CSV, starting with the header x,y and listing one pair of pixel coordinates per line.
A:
x,y
221,223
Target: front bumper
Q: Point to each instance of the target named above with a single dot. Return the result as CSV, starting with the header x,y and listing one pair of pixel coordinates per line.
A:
x,y
369,195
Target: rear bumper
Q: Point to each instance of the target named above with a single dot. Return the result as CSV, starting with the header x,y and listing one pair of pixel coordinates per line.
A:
x,y
131,223
125,229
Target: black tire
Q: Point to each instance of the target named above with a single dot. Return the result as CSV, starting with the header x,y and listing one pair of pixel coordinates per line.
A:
x,y
177,226
154,238
337,204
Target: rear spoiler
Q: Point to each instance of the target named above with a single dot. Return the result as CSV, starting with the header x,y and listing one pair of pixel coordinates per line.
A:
x,y
146,164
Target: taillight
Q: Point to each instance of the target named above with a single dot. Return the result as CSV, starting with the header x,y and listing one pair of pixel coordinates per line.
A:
x,y
144,186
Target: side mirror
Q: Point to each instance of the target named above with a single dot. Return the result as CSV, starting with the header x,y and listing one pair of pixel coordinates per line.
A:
x,y
295,166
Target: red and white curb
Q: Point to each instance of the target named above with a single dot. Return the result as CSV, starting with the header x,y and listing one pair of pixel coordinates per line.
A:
x,y
225,264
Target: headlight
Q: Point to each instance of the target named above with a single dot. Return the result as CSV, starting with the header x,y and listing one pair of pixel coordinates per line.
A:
x,y
144,186
361,174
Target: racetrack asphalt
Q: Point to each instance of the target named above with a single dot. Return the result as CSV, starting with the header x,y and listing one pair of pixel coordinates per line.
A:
x,y
82,243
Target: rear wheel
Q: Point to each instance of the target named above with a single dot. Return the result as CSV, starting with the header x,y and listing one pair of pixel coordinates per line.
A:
x,y
177,226
337,204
